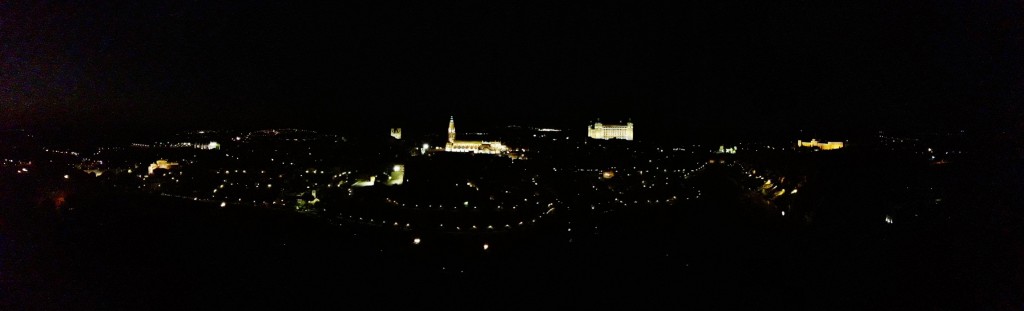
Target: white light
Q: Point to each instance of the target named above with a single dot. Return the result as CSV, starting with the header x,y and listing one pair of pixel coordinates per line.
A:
x,y
223,204
416,241
783,213
486,246
66,176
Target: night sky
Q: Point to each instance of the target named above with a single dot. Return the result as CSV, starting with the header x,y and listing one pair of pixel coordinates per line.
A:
x,y
688,68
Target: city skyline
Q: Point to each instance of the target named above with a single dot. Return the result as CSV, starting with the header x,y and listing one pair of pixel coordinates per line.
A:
x,y
792,155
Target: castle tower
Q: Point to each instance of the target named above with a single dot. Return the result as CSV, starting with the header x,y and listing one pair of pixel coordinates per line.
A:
x,y
451,130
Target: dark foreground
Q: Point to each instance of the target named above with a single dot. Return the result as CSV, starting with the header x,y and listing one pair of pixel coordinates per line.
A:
x,y
117,252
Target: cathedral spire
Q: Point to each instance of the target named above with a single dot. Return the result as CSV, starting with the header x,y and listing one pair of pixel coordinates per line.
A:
x,y
451,130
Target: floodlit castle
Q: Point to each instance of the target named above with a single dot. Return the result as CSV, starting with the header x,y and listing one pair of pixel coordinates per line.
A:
x,y
600,130
832,145
161,164
473,146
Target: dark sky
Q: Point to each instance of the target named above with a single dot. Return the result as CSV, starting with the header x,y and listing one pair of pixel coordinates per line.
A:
x,y
737,66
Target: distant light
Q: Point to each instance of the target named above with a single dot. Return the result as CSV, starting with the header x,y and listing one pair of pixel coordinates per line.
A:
x,y
416,241
129,171
268,185
783,213
66,176
792,192
486,246
223,204
397,168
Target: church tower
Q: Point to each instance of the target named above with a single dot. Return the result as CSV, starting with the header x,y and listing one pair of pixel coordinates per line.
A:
x,y
451,130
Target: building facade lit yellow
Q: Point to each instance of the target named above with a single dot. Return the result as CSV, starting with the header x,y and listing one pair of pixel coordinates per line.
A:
x,y
600,130
832,145
161,164
471,146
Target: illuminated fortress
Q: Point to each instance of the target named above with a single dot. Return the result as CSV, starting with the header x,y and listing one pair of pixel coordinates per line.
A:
x,y
473,146
832,145
599,130
161,164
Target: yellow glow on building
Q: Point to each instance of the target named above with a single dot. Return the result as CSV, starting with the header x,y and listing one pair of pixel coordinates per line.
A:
x,y
832,145
161,164
365,182
473,146
397,175
608,174
600,130
396,133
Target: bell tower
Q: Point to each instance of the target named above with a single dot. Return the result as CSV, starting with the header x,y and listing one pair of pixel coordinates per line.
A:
x,y
451,130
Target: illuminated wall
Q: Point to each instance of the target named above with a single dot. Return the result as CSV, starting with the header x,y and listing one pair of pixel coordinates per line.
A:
x,y
161,164
397,175
484,147
599,130
208,146
396,133
832,145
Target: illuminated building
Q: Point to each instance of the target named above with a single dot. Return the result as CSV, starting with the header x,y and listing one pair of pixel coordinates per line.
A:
x,y
161,164
207,146
599,130
397,175
608,174
365,182
723,149
396,132
832,145
472,146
